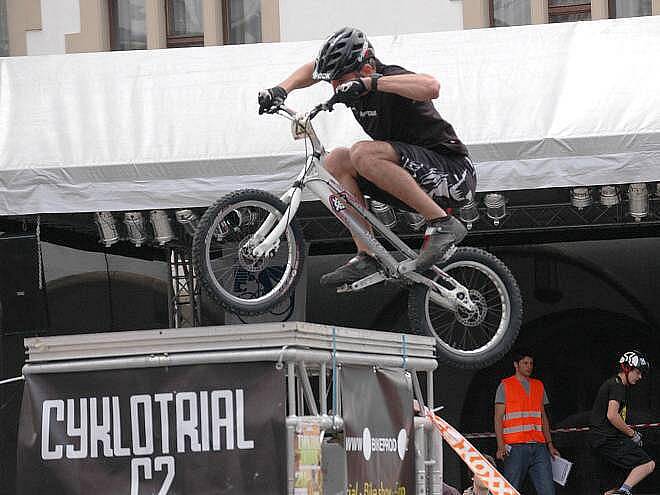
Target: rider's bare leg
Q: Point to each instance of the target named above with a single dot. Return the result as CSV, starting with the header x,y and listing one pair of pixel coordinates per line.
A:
x,y
338,163
378,162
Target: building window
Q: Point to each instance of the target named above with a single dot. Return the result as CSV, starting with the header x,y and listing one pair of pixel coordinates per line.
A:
x,y
4,32
569,10
184,23
510,13
629,8
127,25
242,21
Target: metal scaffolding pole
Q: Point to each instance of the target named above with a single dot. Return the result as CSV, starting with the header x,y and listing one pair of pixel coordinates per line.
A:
x,y
184,289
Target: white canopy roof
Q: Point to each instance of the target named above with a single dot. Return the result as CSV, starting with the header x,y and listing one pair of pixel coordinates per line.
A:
x,y
539,106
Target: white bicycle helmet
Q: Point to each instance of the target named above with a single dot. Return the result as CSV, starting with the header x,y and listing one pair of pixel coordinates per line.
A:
x,y
634,359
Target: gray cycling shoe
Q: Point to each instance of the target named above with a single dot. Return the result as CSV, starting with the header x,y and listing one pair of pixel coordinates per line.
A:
x,y
357,268
439,237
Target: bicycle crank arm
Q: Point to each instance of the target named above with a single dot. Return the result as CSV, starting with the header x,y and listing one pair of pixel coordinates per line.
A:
x,y
373,279
449,299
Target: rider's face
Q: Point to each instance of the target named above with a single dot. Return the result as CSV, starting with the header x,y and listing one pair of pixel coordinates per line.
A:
x,y
345,78
365,71
634,376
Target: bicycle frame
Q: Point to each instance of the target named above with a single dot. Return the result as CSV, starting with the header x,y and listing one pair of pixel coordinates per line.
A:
x,y
353,214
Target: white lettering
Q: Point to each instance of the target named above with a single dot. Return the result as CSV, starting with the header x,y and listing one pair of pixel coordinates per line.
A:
x,y
145,402
74,431
226,421
116,430
187,427
201,421
168,461
163,400
240,422
99,432
46,407
204,419
136,464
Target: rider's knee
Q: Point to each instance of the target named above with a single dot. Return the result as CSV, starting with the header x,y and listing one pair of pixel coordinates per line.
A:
x,y
362,157
650,466
338,161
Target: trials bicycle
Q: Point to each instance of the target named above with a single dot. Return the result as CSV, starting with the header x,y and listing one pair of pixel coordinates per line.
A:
x,y
248,251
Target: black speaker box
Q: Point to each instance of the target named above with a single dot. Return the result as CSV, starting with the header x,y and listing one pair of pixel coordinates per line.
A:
x,y
22,303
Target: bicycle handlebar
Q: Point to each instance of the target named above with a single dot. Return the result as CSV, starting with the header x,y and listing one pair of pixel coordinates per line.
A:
x,y
321,107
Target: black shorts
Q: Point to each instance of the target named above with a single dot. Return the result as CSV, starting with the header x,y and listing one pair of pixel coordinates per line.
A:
x,y
449,178
621,452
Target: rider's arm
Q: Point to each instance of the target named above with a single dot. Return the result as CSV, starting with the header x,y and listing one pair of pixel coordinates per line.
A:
x,y
418,87
617,421
301,78
499,433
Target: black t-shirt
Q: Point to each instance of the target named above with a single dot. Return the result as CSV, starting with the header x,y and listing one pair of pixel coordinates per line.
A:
x,y
612,389
390,117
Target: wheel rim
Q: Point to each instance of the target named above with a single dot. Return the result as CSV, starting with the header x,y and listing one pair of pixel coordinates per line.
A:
x,y
470,334
236,275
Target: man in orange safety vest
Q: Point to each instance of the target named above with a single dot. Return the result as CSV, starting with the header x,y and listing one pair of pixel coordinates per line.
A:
x,y
524,444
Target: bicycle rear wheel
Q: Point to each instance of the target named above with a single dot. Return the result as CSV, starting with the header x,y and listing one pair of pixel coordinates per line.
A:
x,y
471,339
230,274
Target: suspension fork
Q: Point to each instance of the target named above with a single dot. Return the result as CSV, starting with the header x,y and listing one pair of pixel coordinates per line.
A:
x,y
266,238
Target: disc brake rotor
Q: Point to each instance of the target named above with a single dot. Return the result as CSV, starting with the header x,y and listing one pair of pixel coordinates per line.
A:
x,y
247,260
476,317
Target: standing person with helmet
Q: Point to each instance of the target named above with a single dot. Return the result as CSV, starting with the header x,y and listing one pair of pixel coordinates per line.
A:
x,y
415,154
609,435
522,428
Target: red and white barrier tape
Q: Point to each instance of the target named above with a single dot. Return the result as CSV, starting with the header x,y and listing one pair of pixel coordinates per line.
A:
x,y
640,426
482,469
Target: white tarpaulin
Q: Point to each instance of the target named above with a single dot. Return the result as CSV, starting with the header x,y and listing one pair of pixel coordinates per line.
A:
x,y
539,106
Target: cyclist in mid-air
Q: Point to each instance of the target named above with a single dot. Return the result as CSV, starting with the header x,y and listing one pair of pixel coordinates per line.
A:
x,y
415,154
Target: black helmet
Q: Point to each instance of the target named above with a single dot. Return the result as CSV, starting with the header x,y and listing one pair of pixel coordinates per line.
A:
x,y
345,51
635,359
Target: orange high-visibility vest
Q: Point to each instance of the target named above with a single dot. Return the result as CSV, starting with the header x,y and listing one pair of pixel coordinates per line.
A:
x,y
522,412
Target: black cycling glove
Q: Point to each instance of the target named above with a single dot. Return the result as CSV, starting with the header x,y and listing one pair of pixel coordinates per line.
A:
x,y
350,92
270,99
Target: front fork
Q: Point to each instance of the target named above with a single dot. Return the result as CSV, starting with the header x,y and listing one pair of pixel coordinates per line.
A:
x,y
265,241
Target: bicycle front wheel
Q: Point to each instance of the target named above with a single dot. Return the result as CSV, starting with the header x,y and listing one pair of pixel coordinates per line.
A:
x,y
230,274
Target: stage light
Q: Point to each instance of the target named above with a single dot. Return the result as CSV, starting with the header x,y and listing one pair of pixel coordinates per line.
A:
x,y
495,207
135,227
638,197
107,227
469,214
160,222
188,219
383,212
414,220
581,197
609,196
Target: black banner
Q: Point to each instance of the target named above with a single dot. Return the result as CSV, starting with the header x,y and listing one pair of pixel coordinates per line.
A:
x,y
378,424
204,429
